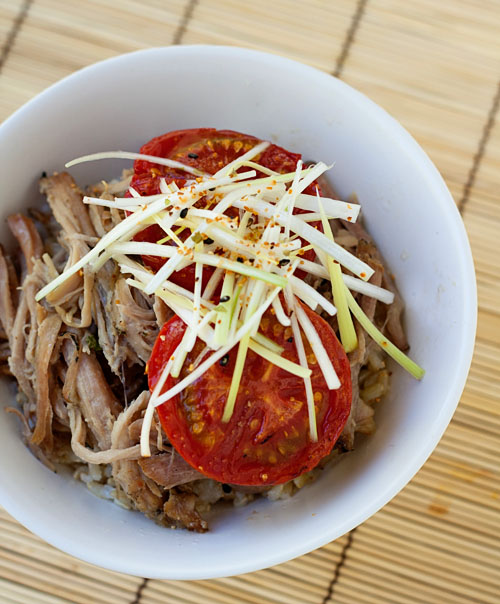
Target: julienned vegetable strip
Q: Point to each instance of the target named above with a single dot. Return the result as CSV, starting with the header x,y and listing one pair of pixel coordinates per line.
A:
x,y
161,161
346,326
415,370
299,346
279,361
239,365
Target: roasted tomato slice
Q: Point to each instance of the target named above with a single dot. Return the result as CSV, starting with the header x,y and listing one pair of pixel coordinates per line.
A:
x,y
208,150
267,438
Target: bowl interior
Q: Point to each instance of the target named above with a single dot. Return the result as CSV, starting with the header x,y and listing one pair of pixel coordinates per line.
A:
x,y
121,103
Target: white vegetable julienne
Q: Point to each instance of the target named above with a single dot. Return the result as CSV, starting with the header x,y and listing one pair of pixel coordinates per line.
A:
x,y
301,353
310,234
252,252
333,207
331,378
347,331
230,167
280,313
306,292
161,161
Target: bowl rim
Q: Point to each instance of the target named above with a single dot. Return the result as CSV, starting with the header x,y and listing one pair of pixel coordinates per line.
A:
x,y
465,267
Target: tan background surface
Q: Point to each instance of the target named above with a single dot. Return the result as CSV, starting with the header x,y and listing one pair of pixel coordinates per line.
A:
x,y
433,64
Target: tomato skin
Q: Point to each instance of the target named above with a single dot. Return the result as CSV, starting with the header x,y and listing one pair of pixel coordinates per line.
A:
x,y
208,150
213,150
266,440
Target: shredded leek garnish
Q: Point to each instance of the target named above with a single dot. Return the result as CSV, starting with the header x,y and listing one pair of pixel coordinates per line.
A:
x,y
346,326
393,351
254,255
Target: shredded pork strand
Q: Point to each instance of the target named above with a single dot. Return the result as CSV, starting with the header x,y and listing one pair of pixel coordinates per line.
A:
x,y
79,357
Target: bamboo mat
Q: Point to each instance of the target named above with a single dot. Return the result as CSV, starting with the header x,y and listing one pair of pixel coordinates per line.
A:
x,y
436,67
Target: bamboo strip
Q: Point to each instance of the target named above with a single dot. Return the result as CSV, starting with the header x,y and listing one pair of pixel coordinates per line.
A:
x,y
280,27
384,63
36,573
8,14
451,482
479,388
25,544
121,584
398,586
369,590
394,566
424,529
464,530
464,435
485,422
474,397
465,479
487,356
426,558
488,295
393,586
487,462
54,42
212,591
453,511
51,555
185,594
264,589
341,591
484,382
21,594
485,377
312,570
484,197
288,587
180,597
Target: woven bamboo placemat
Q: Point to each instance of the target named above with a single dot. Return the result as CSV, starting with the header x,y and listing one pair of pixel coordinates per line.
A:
x,y
436,67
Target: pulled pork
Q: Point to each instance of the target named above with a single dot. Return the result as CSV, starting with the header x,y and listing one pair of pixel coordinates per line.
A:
x,y
79,357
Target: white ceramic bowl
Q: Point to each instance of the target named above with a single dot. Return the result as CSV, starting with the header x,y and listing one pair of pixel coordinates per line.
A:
x,y
122,102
